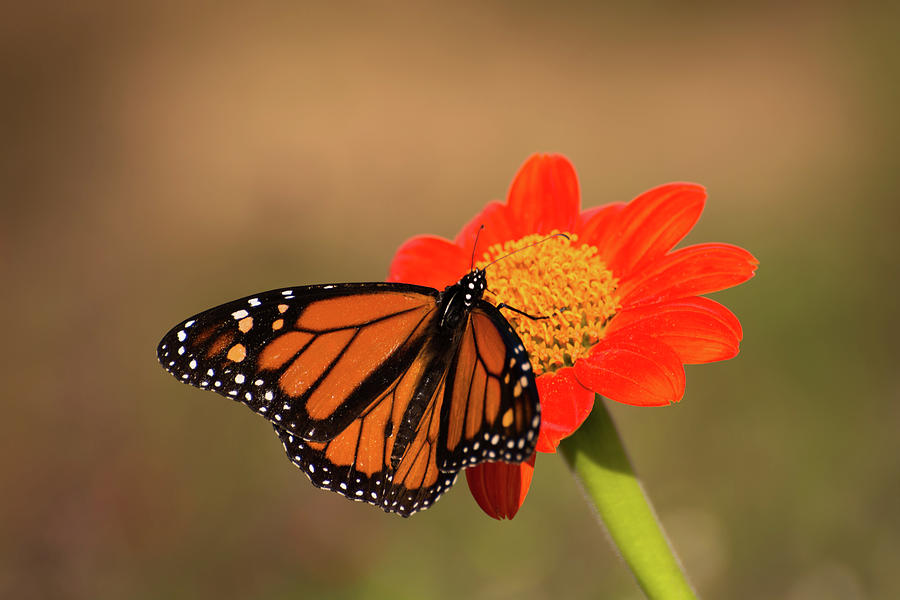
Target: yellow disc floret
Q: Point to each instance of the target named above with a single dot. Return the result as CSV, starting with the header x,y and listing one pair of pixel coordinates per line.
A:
x,y
558,279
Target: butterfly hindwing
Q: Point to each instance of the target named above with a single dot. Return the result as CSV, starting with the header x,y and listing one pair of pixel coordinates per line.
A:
x,y
358,463
491,409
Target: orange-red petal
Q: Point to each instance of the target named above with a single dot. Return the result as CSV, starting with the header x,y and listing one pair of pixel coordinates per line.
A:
x,y
690,271
651,225
698,329
595,223
544,195
500,488
429,260
565,404
633,369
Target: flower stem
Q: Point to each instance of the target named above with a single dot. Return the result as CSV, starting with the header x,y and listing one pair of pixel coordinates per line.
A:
x,y
596,455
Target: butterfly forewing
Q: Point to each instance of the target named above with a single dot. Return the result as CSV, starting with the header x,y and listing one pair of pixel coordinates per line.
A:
x,y
309,359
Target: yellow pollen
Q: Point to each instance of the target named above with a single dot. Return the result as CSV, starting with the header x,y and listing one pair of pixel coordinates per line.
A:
x,y
559,279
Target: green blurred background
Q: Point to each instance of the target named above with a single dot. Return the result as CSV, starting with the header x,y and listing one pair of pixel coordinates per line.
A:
x,y
161,158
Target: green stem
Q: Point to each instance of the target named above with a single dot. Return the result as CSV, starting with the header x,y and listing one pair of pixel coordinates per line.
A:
x,y
597,456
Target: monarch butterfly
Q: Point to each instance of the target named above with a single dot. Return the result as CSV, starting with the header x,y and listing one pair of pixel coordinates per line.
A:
x,y
381,392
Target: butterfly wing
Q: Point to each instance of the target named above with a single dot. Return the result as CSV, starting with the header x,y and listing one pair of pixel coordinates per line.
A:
x,y
491,409
309,359
358,462
369,395
482,405
350,376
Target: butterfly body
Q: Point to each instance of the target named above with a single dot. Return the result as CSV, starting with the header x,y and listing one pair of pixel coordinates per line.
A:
x,y
381,392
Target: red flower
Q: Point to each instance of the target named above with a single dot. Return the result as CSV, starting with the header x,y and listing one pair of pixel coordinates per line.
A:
x,y
626,311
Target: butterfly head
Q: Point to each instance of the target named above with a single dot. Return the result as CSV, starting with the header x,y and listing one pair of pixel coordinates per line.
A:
x,y
461,297
472,286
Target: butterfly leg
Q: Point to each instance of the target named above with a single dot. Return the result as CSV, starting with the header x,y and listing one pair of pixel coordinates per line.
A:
x,y
521,312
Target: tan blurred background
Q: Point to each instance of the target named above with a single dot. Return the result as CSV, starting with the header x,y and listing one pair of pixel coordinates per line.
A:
x,y
161,158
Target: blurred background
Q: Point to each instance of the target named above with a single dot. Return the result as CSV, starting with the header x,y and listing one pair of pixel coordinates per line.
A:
x,y
159,158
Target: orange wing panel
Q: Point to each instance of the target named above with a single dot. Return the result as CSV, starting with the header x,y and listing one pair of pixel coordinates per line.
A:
x,y
371,444
491,347
466,360
374,344
418,467
405,389
342,449
355,310
476,401
492,403
310,365
281,349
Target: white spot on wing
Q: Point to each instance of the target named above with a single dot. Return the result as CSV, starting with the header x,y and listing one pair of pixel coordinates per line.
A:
x,y
240,314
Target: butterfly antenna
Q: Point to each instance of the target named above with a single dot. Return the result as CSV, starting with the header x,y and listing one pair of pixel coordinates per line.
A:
x,y
546,239
475,245
513,308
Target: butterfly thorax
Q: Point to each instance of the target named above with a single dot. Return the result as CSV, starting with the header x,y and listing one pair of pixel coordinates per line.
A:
x,y
457,300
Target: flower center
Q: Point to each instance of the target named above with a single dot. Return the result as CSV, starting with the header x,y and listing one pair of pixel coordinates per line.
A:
x,y
558,279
